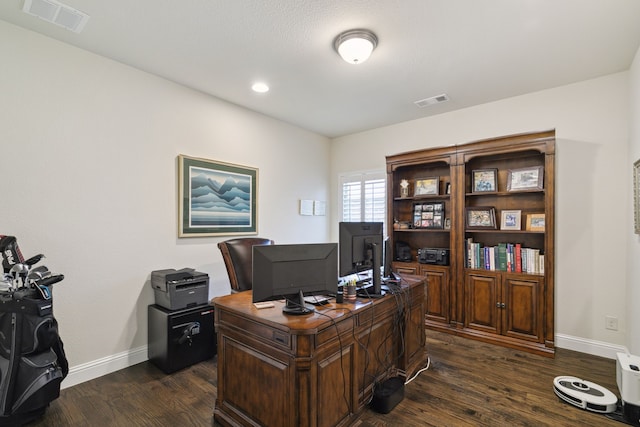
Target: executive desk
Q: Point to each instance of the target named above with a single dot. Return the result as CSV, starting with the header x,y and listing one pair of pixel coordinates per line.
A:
x,y
313,370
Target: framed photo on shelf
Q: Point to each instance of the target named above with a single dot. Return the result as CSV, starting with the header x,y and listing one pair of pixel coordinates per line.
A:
x,y
427,186
447,188
535,222
447,223
530,178
636,196
480,218
510,220
484,180
428,215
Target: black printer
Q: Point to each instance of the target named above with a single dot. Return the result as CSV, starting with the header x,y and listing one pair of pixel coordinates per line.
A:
x,y
178,289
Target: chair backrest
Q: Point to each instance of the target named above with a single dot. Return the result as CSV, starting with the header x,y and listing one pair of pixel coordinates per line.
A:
x,y
238,258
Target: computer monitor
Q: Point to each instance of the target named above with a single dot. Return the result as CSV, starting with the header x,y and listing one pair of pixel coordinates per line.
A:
x,y
361,250
292,271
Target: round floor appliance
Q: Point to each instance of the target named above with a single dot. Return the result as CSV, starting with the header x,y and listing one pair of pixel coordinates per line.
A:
x,y
585,394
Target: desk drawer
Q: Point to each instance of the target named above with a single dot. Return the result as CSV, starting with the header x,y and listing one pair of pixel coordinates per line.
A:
x,y
260,331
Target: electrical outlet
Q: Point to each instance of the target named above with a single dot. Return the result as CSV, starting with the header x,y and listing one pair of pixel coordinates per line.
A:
x,y
611,322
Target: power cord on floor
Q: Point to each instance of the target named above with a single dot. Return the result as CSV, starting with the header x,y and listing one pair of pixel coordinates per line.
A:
x,y
419,372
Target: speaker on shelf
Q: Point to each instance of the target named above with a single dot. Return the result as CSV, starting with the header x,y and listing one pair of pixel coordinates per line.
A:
x,y
403,251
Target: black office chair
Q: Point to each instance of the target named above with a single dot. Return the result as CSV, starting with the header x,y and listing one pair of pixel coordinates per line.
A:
x,y
238,258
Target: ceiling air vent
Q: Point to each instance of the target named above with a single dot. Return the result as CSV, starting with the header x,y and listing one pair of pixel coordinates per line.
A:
x,y
432,101
56,13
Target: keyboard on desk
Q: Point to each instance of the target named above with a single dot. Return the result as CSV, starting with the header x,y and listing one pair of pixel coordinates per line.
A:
x,y
317,299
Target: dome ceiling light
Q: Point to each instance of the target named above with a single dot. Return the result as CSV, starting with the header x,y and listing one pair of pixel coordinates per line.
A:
x,y
355,46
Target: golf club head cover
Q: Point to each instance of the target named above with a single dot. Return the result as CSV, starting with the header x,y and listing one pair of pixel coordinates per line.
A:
x,y
11,254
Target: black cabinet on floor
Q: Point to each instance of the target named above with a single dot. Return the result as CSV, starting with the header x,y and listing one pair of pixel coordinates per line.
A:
x,y
180,338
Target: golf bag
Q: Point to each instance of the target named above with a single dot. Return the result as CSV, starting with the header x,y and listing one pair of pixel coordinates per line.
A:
x,y
32,358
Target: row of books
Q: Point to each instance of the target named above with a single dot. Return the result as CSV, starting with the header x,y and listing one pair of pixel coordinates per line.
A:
x,y
503,257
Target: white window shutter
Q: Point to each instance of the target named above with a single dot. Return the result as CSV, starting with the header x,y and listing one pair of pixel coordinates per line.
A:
x,y
364,197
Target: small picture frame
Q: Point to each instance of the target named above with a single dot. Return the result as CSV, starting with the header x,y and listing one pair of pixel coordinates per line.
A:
x,y
484,180
428,215
427,186
535,222
510,220
447,223
447,188
523,179
480,218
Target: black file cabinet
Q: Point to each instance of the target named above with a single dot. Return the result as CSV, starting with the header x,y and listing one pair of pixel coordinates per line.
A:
x,y
180,338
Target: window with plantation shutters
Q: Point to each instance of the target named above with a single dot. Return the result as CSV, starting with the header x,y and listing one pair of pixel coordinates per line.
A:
x,y
364,197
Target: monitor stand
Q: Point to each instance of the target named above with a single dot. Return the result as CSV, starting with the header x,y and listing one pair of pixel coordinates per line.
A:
x,y
375,290
369,292
296,305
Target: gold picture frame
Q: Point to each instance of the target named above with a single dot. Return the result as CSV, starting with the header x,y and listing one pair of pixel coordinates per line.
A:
x,y
535,222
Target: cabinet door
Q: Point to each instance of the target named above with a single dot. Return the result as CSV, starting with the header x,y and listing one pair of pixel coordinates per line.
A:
x,y
523,308
482,310
437,298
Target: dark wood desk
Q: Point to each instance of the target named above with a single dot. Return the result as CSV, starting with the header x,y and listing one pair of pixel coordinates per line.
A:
x,y
318,369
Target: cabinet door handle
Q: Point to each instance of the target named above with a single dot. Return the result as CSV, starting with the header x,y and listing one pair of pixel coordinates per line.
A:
x,y
500,305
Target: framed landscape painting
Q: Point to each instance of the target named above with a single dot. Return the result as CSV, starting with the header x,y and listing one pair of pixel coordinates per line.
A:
x,y
216,198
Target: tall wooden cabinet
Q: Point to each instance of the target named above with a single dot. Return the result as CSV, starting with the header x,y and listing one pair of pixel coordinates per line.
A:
x,y
490,204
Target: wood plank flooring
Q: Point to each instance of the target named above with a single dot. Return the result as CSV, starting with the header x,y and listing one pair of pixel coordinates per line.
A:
x,y
469,383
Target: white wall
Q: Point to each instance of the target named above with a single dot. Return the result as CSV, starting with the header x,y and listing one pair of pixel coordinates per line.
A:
x,y
633,254
88,150
591,119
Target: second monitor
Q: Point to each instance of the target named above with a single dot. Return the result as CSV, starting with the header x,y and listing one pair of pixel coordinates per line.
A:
x,y
360,249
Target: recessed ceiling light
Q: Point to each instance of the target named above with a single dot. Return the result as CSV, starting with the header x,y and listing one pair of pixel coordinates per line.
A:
x,y
260,87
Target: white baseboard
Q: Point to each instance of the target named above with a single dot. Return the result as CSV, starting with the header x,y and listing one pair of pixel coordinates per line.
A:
x,y
593,347
106,365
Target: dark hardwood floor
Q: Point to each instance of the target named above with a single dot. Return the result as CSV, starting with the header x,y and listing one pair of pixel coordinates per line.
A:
x,y
469,383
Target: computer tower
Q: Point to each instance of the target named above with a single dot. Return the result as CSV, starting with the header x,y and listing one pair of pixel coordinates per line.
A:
x,y
180,338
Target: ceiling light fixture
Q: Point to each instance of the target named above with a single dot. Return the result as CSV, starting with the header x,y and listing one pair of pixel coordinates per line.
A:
x,y
355,46
260,87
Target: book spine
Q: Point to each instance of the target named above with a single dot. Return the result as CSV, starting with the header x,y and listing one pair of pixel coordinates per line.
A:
x,y
502,257
487,258
492,258
518,254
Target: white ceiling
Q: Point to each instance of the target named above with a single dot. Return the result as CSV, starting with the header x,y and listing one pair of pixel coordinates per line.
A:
x,y
475,51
